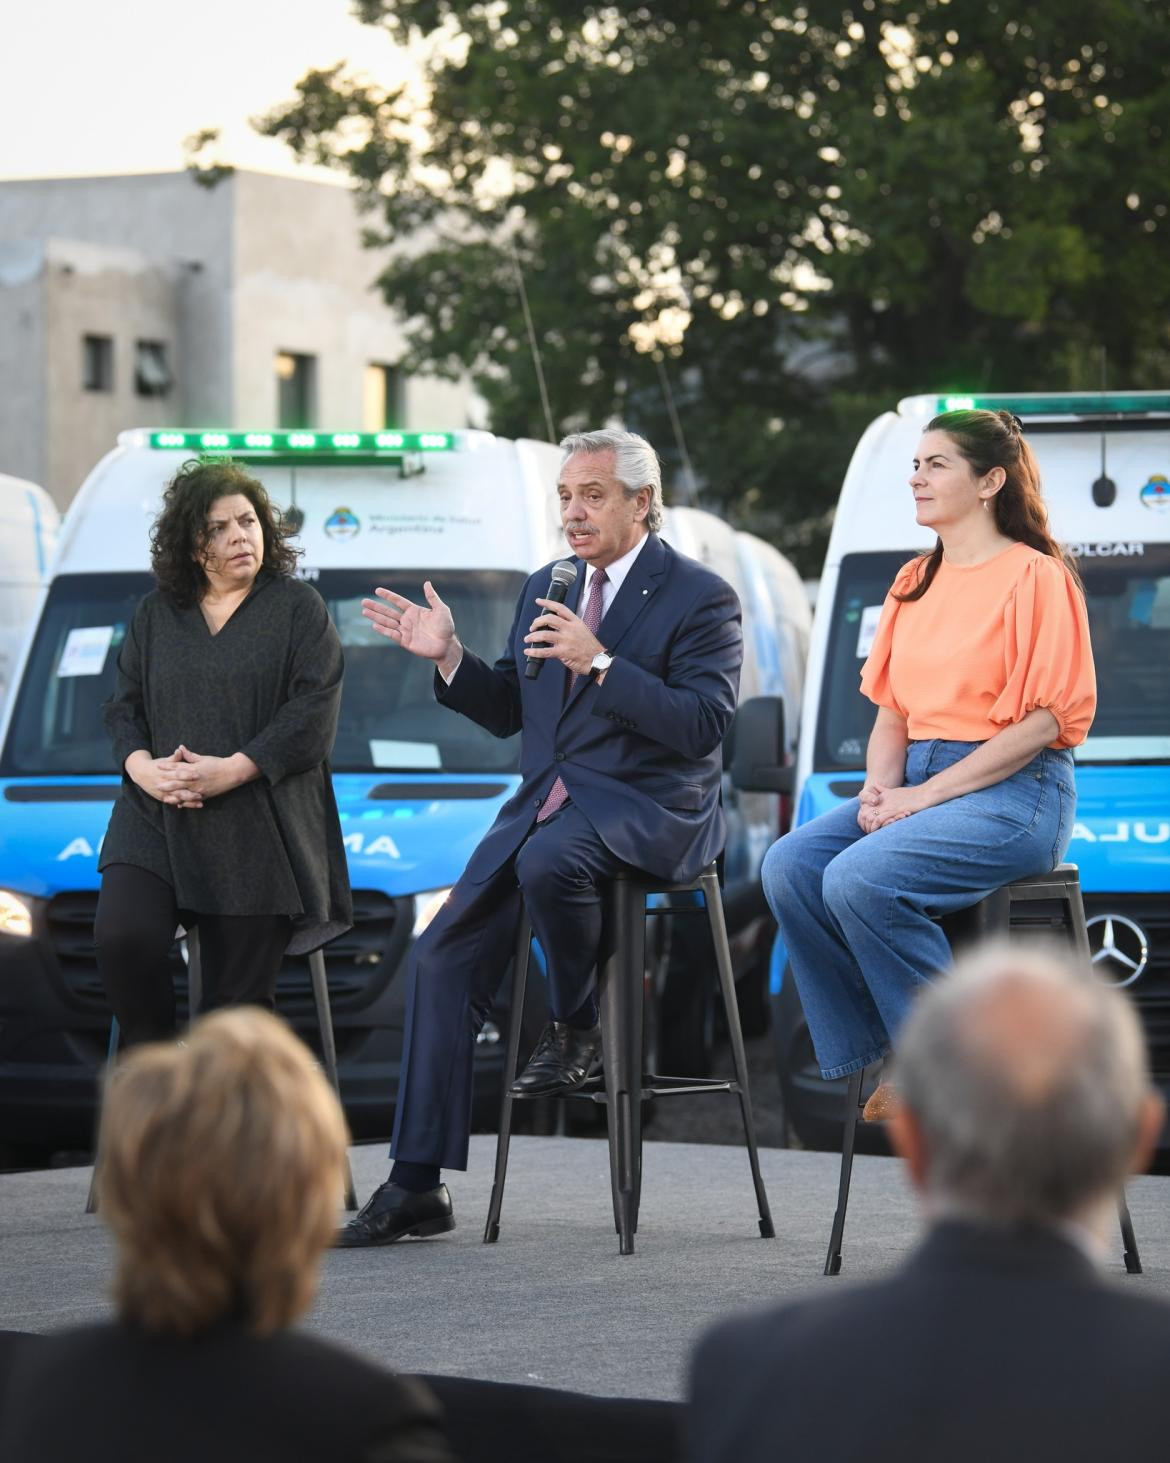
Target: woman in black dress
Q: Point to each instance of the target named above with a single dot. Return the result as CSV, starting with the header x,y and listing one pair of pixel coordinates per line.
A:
x,y
222,721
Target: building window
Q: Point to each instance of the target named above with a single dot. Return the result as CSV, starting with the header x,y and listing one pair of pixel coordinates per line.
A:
x,y
382,398
295,389
97,362
152,373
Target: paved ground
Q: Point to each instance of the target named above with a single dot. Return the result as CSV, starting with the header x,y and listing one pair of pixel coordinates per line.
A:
x,y
553,1301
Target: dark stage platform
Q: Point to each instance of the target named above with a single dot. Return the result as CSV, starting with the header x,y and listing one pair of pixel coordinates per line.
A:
x,y
552,1302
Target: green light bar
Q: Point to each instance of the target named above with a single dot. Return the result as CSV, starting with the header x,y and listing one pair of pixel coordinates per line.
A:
x,y
320,444
1028,404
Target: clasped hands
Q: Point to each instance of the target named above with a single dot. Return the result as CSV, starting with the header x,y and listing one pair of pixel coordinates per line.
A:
x,y
185,779
881,805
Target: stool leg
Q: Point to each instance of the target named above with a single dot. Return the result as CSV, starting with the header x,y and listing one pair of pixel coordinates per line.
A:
x,y
111,1057
194,975
1133,1261
1078,933
633,999
714,903
852,1112
520,961
329,1048
993,914
621,1034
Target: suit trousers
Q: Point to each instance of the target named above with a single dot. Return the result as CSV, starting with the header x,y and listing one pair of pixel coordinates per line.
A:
x,y
459,961
133,931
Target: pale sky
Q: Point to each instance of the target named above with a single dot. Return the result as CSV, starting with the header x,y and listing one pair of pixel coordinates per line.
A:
x,y
114,86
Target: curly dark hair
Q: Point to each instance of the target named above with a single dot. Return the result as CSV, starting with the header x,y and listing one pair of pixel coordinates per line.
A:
x,y
180,530
988,439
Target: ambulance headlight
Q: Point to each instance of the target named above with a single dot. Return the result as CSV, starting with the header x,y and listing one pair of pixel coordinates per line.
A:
x,y
16,916
426,906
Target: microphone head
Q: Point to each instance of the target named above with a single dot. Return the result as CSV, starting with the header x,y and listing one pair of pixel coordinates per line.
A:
x,y
564,573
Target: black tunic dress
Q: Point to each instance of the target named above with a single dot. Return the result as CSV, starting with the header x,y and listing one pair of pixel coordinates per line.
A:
x,y
268,685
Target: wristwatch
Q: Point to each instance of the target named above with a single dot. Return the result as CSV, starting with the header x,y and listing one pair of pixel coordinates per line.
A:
x,y
600,663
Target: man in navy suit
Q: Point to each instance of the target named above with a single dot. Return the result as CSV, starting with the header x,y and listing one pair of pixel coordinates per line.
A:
x,y
621,738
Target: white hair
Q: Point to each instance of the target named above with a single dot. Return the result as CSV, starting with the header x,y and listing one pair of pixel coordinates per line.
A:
x,y
635,464
1028,1079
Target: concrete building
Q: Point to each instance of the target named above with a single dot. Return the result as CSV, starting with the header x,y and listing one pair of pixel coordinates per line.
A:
x,y
151,300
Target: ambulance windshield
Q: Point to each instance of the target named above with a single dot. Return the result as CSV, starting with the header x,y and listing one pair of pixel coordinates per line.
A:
x,y
389,720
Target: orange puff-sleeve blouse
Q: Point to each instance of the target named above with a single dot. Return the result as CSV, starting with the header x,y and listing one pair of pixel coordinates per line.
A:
x,y
985,645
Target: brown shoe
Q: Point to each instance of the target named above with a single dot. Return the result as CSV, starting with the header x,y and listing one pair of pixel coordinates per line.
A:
x,y
883,1103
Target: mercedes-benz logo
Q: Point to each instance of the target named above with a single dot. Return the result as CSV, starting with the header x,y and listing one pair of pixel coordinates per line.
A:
x,y
1120,949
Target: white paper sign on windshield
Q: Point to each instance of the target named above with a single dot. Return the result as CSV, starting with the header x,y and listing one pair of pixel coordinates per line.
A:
x,y
85,651
385,753
870,616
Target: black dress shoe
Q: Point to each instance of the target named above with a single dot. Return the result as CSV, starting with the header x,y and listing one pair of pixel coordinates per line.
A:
x,y
563,1060
392,1212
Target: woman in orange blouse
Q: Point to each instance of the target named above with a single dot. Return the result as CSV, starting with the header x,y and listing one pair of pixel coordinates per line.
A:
x,y
982,673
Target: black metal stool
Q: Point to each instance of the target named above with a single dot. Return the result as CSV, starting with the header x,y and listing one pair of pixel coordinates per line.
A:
x,y
621,964
195,1003
1042,904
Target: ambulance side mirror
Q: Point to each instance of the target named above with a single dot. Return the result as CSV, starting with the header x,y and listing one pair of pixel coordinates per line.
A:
x,y
757,747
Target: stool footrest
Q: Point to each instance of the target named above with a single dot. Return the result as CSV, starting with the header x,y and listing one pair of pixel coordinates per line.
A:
x,y
670,1086
655,1086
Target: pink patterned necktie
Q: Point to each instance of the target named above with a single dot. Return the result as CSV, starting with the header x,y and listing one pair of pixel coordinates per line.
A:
x,y
558,794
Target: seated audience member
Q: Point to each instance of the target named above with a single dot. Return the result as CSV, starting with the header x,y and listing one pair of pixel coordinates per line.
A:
x,y
1025,1102
220,1176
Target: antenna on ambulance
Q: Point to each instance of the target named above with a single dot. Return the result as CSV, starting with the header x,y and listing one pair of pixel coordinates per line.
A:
x,y
533,344
680,440
1104,489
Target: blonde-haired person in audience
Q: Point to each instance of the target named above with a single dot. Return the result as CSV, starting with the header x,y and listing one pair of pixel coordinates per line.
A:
x,y
220,1174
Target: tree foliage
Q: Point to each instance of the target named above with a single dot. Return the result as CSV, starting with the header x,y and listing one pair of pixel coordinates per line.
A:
x,y
803,212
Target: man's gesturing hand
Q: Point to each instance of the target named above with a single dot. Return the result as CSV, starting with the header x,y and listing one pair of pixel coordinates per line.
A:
x,y
426,631
565,638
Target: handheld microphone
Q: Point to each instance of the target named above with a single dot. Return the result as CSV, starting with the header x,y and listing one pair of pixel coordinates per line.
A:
x,y
563,576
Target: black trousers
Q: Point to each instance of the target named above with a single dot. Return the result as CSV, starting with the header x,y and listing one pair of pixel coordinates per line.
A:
x,y
458,962
134,929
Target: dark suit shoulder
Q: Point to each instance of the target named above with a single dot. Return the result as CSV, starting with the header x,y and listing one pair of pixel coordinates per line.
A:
x,y
1030,1329
698,578
306,1398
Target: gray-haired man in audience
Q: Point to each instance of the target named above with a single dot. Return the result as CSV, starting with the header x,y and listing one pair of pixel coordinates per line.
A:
x,y
1025,1103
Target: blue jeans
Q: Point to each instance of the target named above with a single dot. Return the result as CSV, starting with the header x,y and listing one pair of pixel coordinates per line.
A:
x,y
858,911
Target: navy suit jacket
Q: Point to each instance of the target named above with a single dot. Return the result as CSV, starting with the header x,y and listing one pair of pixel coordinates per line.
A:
x,y
986,1344
641,754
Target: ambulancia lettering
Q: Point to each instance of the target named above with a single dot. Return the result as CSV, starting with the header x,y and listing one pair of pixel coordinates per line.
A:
x,y
1123,833
383,845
